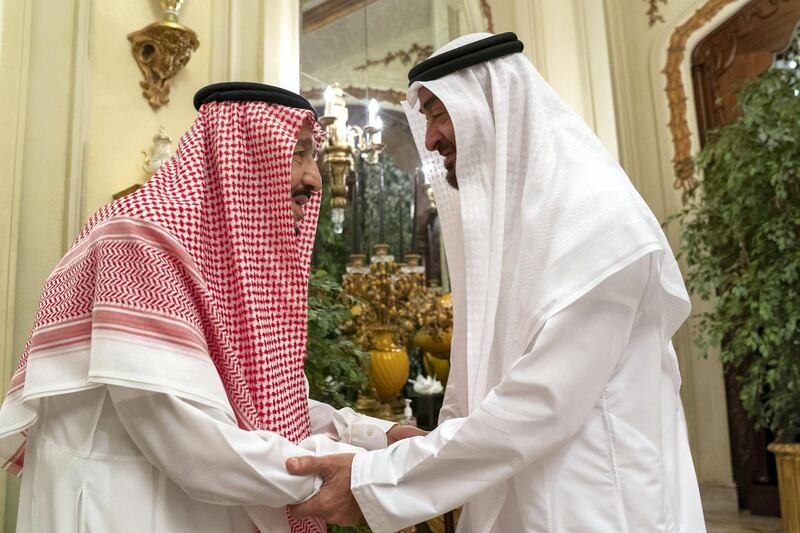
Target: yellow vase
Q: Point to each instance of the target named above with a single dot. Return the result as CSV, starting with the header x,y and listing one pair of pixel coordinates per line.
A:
x,y
437,346
389,366
436,366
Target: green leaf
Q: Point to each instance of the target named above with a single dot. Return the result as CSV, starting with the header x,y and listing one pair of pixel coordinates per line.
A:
x,y
741,239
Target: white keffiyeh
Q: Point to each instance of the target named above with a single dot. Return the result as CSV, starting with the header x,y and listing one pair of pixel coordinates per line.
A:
x,y
543,214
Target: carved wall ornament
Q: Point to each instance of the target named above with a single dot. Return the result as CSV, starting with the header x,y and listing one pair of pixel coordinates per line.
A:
x,y
715,54
415,54
653,13
486,11
676,92
161,50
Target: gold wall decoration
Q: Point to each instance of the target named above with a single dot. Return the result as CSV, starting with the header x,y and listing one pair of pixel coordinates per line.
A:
x,y
676,92
653,13
126,191
415,54
486,11
161,50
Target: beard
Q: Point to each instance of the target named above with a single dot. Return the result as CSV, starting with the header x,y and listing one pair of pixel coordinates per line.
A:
x,y
445,146
451,178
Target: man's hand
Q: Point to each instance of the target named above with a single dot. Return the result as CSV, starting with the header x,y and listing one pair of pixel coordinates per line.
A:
x,y
398,432
334,502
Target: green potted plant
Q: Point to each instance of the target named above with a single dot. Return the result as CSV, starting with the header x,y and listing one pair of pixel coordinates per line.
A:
x,y
741,239
334,366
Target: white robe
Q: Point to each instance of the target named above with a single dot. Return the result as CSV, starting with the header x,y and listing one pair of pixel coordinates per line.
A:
x,y
585,433
119,459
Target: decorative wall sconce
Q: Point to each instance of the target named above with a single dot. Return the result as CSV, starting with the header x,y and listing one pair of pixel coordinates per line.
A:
x,y
159,153
161,50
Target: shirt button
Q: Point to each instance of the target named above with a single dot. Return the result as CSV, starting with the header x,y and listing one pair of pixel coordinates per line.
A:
x,y
369,432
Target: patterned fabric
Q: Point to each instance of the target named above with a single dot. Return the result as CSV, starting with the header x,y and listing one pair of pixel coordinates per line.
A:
x,y
202,269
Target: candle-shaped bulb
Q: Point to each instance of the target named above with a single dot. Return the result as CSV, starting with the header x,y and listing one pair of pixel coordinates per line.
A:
x,y
329,99
376,137
373,112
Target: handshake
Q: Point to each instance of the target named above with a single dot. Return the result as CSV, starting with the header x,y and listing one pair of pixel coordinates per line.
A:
x,y
335,503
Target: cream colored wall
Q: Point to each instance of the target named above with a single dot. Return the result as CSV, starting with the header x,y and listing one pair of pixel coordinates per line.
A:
x,y
14,40
605,60
41,159
567,42
74,122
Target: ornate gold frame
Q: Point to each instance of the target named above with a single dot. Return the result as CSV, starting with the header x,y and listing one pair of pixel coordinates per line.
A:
x,y
676,93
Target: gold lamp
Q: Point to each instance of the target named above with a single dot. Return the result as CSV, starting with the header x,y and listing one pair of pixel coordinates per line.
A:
x,y
345,143
337,156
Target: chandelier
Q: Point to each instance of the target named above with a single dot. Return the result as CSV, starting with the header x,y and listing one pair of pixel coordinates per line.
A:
x,y
347,142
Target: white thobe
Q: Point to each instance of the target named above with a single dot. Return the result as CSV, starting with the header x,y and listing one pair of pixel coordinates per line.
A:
x,y
118,459
585,433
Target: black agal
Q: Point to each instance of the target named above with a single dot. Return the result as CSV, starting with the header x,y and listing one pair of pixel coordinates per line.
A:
x,y
465,56
243,91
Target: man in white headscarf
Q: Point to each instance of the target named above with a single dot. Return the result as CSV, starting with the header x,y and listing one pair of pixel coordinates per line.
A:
x,y
562,411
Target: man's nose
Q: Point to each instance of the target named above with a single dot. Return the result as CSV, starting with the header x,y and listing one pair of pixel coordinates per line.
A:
x,y
432,136
312,178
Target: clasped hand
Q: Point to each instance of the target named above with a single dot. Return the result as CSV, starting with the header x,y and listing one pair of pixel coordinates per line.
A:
x,y
335,502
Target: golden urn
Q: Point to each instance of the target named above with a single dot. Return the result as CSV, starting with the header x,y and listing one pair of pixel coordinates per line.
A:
x,y
437,345
436,336
436,367
389,364
435,353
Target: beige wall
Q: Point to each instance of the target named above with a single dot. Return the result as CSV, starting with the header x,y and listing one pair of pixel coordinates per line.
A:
x,y
14,39
74,122
567,42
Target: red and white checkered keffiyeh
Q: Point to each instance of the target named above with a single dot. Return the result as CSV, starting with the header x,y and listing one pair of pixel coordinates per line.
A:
x,y
196,285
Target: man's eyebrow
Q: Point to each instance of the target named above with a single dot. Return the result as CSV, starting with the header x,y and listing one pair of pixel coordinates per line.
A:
x,y
428,103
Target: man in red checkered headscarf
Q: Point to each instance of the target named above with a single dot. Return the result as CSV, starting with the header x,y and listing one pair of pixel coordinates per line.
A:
x,y
162,388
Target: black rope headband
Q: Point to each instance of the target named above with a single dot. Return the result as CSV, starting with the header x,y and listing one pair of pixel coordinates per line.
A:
x,y
238,91
465,56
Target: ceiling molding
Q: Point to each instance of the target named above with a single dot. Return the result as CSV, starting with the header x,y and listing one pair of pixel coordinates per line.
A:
x,y
330,11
